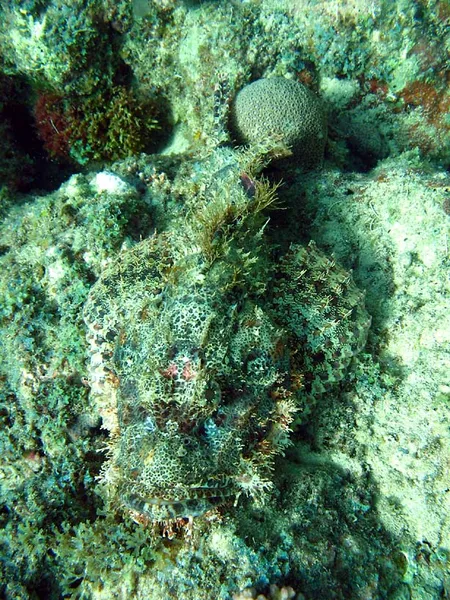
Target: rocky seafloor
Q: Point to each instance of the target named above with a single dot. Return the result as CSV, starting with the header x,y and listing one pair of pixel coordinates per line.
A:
x,y
117,128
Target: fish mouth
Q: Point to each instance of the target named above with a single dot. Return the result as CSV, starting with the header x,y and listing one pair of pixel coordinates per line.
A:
x,y
200,501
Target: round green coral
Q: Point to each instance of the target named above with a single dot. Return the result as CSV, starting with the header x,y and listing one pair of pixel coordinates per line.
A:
x,y
284,110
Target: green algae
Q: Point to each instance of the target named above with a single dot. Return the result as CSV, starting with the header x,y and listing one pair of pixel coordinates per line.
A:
x,y
359,506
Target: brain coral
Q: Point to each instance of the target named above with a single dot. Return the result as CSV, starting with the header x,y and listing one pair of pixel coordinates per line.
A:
x,y
285,109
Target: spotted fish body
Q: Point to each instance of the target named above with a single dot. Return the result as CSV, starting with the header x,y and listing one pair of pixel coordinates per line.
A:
x,y
182,381
197,377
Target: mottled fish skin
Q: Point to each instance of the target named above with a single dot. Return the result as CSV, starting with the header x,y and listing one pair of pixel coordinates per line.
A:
x,y
198,378
170,375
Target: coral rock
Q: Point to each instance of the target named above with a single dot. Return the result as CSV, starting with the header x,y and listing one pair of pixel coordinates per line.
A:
x,y
282,109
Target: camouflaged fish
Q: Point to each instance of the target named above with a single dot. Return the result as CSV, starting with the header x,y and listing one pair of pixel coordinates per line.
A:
x,y
203,354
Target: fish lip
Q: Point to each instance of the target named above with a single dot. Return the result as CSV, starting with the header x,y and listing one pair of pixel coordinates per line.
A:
x,y
156,508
